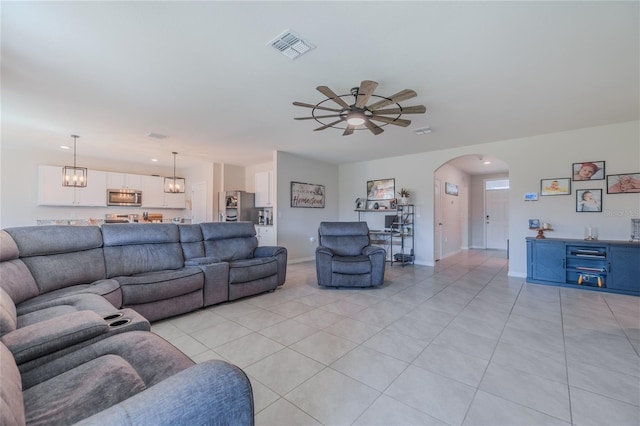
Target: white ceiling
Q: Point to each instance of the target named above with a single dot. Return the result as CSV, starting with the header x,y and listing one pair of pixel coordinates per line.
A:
x,y
202,73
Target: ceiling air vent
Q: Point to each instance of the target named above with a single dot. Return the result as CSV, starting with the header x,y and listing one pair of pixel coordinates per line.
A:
x,y
423,130
291,44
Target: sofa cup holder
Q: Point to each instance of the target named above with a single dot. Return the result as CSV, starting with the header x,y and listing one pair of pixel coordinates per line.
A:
x,y
113,316
120,322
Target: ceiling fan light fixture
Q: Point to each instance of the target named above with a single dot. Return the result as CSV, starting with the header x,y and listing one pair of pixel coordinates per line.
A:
x,y
355,118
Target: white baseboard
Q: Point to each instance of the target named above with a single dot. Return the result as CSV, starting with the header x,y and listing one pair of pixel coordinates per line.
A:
x,y
516,274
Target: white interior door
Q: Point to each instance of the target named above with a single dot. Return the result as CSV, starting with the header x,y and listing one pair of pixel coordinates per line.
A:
x,y
199,202
437,221
496,207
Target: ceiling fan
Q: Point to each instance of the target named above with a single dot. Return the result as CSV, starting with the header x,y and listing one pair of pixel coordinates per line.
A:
x,y
359,115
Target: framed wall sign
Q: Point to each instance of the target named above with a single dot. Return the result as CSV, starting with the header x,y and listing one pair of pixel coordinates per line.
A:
x,y
307,195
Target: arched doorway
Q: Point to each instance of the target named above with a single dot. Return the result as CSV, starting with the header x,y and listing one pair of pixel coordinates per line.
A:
x,y
460,203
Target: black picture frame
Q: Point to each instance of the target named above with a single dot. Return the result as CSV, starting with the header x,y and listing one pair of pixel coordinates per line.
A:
x,y
623,183
555,186
589,204
598,173
381,189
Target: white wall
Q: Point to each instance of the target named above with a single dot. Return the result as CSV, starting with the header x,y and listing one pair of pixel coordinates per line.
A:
x,y
297,226
455,210
530,159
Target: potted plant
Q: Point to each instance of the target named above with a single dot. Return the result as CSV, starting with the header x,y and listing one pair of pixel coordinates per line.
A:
x,y
404,196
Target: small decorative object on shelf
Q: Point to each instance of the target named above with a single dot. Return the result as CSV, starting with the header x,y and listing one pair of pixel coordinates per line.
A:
x,y
590,233
404,196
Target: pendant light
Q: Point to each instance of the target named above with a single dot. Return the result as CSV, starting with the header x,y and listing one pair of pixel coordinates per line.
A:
x,y
73,175
174,184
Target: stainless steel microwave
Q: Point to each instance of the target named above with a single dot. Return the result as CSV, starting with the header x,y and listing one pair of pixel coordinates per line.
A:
x,y
124,197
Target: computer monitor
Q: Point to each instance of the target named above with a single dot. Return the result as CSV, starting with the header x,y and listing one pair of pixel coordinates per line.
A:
x,y
389,224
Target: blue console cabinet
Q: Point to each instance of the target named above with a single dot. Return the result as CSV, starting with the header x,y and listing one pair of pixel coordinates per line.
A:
x,y
610,266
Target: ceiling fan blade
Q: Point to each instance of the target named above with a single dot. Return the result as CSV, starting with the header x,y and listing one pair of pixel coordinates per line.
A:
x,y
402,95
373,127
316,107
397,121
317,116
326,126
330,94
348,130
418,109
367,87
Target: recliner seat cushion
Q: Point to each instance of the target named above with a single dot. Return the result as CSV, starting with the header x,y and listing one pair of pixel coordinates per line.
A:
x,y
242,271
160,285
81,392
351,265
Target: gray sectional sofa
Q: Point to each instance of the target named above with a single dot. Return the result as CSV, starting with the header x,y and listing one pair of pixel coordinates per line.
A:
x,y
75,311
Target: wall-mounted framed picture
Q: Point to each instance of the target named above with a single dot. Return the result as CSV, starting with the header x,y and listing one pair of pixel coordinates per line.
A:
x,y
589,200
588,170
381,189
531,196
556,186
626,183
451,188
307,195
534,223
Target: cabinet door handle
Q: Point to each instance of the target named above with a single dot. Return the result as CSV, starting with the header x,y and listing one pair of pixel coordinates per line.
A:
x,y
564,263
609,266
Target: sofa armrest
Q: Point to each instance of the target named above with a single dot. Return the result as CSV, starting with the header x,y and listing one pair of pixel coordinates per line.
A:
x,y
372,250
46,337
280,253
324,251
268,251
197,261
212,393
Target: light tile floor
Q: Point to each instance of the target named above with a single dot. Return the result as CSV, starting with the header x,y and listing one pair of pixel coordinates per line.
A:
x,y
459,343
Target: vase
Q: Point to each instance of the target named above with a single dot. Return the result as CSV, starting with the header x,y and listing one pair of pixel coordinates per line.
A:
x,y
404,200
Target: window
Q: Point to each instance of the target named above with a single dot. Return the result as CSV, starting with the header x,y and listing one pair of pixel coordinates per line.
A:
x,y
496,184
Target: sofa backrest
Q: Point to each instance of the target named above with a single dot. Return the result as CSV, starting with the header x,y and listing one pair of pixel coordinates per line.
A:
x,y
344,238
15,277
229,240
58,255
191,240
135,248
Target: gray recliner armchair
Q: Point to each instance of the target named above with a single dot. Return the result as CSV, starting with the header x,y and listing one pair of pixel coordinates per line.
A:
x,y
346,258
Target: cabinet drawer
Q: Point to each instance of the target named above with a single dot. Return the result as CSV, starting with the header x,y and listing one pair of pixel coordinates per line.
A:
x,y
587,279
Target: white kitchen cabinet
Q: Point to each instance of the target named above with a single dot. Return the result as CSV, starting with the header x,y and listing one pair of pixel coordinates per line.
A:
x,y
52,193
266,235
264,189
153,195
124,180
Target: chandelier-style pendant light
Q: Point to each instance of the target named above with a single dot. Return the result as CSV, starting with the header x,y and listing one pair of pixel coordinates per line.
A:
x,y
174,184
73,175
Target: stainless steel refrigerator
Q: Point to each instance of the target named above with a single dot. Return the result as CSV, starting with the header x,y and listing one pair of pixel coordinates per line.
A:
x,y
237,206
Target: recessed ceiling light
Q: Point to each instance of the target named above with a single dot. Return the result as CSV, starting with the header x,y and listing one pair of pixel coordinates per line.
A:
x,y
487,162
64,147
155,160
